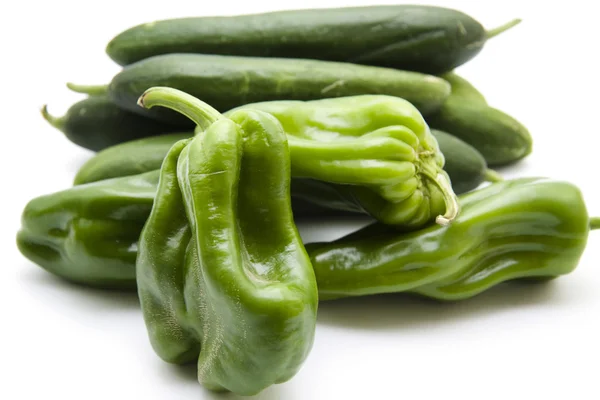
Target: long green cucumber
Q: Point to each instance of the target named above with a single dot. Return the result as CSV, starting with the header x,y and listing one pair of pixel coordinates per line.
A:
x,y
499,137
226,82
465,166
96,123
410,37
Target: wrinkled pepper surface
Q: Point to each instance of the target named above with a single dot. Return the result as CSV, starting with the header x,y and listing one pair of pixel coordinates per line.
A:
x,y
88,234
508,230
528,228
223,277
378,147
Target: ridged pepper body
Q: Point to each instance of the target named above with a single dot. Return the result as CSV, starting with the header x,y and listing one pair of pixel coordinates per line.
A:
x,y
524,228
223,276
88,234
379,148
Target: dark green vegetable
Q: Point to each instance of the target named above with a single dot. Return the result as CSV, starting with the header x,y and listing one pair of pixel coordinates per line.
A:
x,y
462,88
409,37
465,166
130,158
96,123
226,82
500,138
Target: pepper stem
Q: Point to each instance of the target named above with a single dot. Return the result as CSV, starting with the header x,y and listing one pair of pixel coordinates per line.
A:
x,y
452,207
91,90
492,176
498,30
594,223
195,109
57,122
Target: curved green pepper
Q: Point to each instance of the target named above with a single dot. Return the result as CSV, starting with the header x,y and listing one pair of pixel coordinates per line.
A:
x,y
529,228
379,147
522,227
223,276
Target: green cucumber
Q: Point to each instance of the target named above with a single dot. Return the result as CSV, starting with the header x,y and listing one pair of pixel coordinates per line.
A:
x,y
465,165
226,82
96,123
409,37
500,138
129,158
462,88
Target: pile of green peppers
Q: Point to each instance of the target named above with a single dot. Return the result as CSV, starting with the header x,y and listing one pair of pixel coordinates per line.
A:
x,y
202,224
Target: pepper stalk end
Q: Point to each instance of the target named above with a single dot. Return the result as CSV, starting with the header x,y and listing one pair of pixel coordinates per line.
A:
x,y
452,207
201,113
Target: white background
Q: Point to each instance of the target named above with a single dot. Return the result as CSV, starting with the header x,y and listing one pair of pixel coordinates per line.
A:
x,y
59,341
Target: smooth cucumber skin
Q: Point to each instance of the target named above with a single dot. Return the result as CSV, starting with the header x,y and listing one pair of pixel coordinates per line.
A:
x,y
129,158
409,37
463,163
462,88
96,123
226,82
500,138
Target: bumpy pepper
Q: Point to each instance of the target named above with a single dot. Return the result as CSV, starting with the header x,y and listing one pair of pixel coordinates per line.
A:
x,y
379,147
88,234
508,230
223,276
529,228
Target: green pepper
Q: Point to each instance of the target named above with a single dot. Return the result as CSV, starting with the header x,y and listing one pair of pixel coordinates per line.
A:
x,y
528,228
517,228
88,234
378,147
223,276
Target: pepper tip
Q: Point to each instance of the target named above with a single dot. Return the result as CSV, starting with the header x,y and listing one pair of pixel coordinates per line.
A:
x,y
140,100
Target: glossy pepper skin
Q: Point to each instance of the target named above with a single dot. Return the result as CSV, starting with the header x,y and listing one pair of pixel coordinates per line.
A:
x,y
88,234
379,147
529,228
466,168
223,277
539,225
